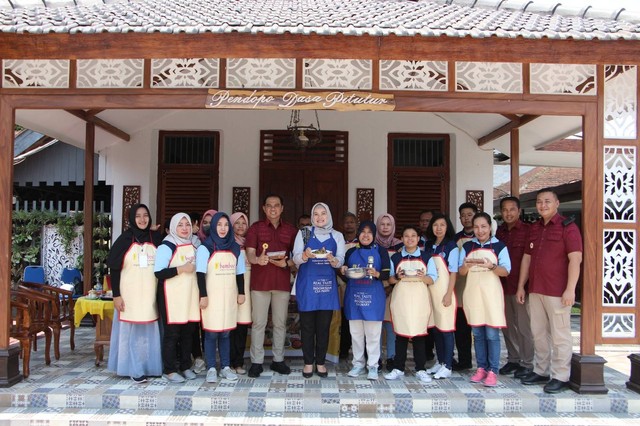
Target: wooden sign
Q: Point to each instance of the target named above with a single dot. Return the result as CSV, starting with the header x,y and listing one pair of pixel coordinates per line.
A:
x,y
338,101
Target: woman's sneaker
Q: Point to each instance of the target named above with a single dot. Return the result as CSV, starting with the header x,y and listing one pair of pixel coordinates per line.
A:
x,y
199,365
395,374
373,373
173,378
479,376
423,376
228,374
212,375
491,380
141,379
436,367
443,373
356,371
189,374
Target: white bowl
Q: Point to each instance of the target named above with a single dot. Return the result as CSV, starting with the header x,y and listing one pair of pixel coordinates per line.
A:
x,y
356,273
321,255
276,254
410,272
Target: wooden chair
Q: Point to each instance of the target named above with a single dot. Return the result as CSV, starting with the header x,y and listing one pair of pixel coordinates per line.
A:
x,y
31,314
62,312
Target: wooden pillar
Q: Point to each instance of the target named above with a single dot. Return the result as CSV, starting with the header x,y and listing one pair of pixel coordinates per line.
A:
x,y
515,162
9,355
89,151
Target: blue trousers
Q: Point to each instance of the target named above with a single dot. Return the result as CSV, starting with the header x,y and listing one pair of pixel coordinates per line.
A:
x,y
220,341
486,341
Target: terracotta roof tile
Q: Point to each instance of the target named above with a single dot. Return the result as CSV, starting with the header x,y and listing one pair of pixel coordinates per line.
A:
x,y
432,18
540,177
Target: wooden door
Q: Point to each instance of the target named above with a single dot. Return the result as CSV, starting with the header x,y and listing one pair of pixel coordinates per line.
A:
x,y
304,177
418,176
187,173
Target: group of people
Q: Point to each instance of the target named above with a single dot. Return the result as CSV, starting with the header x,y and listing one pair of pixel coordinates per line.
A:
x,y
432,287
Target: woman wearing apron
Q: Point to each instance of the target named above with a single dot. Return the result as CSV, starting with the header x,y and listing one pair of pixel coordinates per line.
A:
x,y
484,260
135,338
385,237
364,299
412,272
240,224
220,269
317,286
442,248
177,297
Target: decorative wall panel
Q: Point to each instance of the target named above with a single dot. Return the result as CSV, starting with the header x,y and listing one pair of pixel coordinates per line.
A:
x,y
476,197
110,73
184,72
620,186
489,77
242,200
619,268
413,75
54,255
365,201
618,325
130,196
620,102
347,74
563,79
258,73
38,73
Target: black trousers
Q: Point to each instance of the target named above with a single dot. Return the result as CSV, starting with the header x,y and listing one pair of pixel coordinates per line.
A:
x,y
238,345
176,346
345,337
419,352
197,342
463,339
314,332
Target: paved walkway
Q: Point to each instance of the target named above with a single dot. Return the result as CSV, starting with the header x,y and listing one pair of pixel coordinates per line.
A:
x,y
73,391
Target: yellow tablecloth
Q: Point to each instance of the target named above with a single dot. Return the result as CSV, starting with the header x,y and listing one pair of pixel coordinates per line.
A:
x,y
83,306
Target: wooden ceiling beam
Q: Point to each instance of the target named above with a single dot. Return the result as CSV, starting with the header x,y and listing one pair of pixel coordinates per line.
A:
x,y
90,117
506,129
512,117
93,112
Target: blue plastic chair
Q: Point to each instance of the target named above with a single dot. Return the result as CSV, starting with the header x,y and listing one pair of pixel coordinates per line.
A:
x,y
72,276
34,274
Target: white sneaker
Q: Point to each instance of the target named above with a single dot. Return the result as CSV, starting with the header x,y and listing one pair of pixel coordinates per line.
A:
x,y
356,371
173,377
199,366
436,367
423,376
189,374
373,373
395,374
443,373
227,373
212,375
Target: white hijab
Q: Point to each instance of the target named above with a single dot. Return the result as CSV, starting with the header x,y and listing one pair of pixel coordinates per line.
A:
x,y
328,227
173,236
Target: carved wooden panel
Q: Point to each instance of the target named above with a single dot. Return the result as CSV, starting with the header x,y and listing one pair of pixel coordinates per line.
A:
x,y
130,196
476,197
365,198
242,199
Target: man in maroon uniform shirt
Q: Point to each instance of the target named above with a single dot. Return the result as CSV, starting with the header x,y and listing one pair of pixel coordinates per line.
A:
x,y
551,263
517,335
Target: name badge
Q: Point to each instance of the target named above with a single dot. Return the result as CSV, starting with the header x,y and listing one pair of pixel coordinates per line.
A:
x,y
143,260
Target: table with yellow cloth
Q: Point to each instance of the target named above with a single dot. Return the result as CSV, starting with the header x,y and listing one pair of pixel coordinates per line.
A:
x,y
102,311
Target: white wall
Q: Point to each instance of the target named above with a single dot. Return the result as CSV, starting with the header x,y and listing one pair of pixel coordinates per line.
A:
x,y
135,162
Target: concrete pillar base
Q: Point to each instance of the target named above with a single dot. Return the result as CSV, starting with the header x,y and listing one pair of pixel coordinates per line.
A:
x,y
634,379
587,374
10,366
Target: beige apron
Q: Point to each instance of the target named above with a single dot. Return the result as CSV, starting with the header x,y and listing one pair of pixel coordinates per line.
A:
x,y
460,279
221,313
444,317
244,310
181,292
138,285
342,285
410,303
387,308
483,295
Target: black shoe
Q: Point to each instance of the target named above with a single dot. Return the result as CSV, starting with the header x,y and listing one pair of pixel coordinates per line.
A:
x,y
280,367
509,367
139,380
255,370
521,372
461,367
389,365
555,386
322,374
534,379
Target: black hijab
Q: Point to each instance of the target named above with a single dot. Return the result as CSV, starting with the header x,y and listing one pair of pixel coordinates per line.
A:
x,y
131,235
215,242
372,227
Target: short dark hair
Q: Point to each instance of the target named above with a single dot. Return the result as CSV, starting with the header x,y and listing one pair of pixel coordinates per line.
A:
x,y
448,236
432,211
468,206
414,227
264,201
484,215
548,189
349,214
303,216
195,217
514,199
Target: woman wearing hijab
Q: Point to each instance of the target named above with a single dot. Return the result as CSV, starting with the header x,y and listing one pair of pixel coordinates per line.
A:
x,y
385,237
220,268
135,339
317,285
364,299
177,297
240,224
